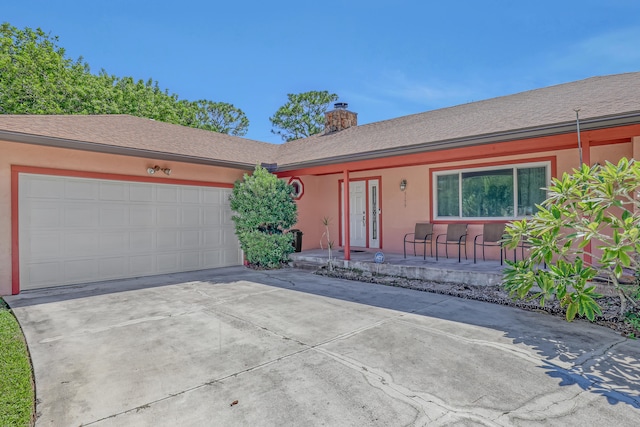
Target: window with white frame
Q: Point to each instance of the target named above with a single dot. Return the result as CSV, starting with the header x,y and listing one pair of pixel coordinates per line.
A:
x,y
501,192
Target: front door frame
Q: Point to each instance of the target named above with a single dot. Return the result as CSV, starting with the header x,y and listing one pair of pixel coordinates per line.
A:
x,y
343,213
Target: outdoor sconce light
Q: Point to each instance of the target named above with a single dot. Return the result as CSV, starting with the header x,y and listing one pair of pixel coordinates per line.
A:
x,y
157,168
403,185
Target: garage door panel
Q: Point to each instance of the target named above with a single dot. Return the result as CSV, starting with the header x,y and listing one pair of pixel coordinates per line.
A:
x,y
190,239
43,188
167,194
212,196
74,230
231,258
81,190
114,192
167,240
190,195
43,245
114,242
213,257
81,270
212,238
168,262
167,216
40,274
227,236
142,265
142,241
212,216
142,216
190,216
77,215
141,193
45,214
82,243
190,260
114,216
114,267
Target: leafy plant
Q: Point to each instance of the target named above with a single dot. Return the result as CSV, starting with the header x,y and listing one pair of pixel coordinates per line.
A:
x,y
264,209
633,319
588,227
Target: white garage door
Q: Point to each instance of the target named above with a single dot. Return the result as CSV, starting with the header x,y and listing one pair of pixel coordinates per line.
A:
x,y
77,230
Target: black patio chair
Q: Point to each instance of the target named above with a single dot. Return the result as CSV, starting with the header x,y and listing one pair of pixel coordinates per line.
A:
x,y
456,235
492,235
423,234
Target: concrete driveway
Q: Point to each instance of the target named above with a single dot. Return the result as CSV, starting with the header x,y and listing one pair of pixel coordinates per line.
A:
x,y
240,347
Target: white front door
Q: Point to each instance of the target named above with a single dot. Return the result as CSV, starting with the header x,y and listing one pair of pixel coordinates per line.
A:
x,y
357,214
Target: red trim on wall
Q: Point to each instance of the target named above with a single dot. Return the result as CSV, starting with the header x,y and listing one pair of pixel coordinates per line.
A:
x,y
16,170
554,172
610,142
500,149
347,216
116,177
15,248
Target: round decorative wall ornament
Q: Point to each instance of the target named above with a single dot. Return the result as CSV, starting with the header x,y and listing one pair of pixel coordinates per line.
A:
x,y
298,187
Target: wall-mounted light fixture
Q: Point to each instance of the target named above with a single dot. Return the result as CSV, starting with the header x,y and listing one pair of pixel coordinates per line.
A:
x,y
403,185
157,168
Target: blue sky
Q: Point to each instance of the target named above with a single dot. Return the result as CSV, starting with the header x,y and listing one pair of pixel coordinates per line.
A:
x,y
385,58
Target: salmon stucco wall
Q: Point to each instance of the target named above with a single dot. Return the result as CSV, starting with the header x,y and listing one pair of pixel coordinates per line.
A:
x,y
402,209
320,200
25,155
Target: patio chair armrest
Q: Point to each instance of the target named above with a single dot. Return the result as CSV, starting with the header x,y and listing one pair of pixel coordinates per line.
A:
x,y
464,236
407,235
438,237
475,239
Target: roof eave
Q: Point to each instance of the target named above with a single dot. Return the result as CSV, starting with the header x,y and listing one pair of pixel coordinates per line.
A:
x,y
123,151
512,135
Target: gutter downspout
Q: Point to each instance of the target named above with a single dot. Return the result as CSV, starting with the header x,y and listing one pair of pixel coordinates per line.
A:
x,y
577,110
347,218
587,257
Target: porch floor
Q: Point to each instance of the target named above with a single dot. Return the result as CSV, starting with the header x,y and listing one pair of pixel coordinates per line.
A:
x,y
414,267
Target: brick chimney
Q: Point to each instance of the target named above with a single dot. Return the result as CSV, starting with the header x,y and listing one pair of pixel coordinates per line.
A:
x,y
339,118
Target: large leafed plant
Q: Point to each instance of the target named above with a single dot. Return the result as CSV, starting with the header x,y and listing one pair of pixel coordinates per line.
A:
x,y
587,228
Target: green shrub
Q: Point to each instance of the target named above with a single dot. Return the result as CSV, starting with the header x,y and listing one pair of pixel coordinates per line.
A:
x,y
267,250
264,209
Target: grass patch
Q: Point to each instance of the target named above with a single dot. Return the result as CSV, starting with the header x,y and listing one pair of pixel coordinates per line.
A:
x,y
16,385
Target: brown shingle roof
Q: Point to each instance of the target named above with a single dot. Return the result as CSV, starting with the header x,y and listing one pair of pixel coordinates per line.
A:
x,y
135,133
596,97
546,111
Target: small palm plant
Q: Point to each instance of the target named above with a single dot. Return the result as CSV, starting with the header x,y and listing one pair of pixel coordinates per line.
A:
x,y
326,221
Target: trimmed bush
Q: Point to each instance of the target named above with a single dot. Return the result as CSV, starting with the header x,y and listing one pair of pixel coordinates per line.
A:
x,y
264,208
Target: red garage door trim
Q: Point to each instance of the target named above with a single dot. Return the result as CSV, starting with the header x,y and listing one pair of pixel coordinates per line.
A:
x,y
16,170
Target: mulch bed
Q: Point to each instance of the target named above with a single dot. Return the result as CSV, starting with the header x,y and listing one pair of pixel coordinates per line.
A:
x,y
493,294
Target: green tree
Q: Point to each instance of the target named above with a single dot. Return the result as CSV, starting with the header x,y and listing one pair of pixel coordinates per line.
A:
x,y
220,117
36,77
264,208
302,115
588,226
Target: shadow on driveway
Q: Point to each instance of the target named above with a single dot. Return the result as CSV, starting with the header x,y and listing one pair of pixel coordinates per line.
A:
x,y
597,360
